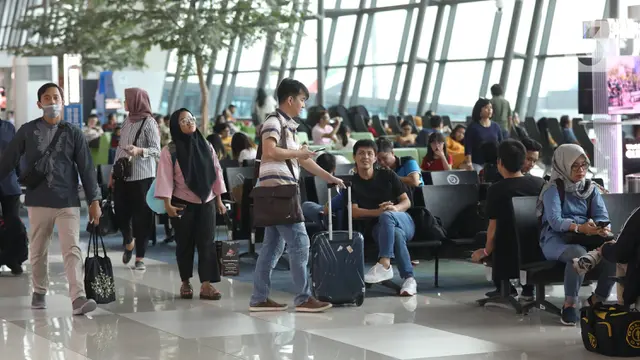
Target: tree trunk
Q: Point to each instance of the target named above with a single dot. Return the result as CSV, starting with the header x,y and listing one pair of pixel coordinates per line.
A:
x,y
204,96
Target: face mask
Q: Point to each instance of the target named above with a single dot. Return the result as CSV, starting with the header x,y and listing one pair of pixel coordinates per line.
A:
x,y
52,111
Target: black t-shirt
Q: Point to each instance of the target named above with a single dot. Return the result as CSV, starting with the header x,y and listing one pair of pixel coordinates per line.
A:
x,y
500,208
385,185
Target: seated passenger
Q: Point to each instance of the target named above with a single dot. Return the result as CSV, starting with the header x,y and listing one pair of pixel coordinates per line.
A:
x,y
380,195
501,234
437,158
323,133
407,138
455,146
567,131
435,125
489,173
573,215
406,167
345,141
242,148
533,154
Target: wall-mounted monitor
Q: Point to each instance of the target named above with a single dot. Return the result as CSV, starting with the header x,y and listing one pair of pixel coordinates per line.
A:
x,y
623,85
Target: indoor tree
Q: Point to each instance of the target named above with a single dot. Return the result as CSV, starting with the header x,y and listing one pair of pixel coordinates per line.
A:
x,y
113,34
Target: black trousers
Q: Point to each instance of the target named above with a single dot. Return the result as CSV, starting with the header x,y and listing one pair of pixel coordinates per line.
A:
x,y
135,219
10,206
196,229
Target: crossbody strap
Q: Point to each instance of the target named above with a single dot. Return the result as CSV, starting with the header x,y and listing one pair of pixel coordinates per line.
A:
x,y
54,141
283,144
135,139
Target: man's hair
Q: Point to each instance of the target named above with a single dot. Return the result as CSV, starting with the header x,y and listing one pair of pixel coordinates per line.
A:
x,y
364,143
290,87
91,116
497,90
564,121
383,145
231,106
435,121
512,155
531,145
46,87
327,162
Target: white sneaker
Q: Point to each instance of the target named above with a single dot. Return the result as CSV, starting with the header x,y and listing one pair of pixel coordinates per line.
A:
x,y
378,274
409,287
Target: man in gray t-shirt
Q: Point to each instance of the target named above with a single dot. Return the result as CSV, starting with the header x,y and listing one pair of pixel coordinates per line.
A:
x,y
54,201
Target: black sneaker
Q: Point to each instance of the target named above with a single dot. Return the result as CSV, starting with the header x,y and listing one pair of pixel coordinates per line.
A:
x,y
569,316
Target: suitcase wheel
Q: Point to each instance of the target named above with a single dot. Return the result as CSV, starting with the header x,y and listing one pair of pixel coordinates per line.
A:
x,y
360,300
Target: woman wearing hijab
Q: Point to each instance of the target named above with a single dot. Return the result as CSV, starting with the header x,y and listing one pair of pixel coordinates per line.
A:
x,y
481,130
570,166
189,180
135,219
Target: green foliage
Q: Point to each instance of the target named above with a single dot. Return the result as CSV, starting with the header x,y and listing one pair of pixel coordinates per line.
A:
x,y
100,34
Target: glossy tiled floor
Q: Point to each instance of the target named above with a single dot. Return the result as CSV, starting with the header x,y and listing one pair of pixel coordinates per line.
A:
x,y
149,321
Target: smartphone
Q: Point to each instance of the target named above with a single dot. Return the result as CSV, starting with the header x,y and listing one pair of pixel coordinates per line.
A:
x,y
603,224
319,150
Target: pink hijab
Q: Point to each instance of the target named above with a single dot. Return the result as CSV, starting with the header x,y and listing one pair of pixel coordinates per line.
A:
x,y
138,104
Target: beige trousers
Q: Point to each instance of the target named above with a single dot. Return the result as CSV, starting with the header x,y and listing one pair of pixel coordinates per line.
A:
x,y
41,223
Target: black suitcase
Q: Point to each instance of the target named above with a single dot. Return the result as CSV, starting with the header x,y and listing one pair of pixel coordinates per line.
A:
x,y
337,263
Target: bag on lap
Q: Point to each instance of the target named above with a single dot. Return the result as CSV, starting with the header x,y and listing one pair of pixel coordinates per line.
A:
x,y
611,330
98,272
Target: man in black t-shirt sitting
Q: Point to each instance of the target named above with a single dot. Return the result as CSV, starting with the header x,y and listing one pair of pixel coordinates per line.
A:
x,y
501,233
379,194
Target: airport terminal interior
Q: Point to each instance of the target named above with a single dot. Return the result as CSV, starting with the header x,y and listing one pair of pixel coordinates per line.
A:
x,y
378,70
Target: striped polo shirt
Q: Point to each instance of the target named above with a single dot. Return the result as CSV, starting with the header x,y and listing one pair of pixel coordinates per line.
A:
x,y
274,173
142,167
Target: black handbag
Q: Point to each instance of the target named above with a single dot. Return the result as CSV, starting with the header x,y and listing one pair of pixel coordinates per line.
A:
x,y
611,330
37,172
122,167
98,273
108,222
277,205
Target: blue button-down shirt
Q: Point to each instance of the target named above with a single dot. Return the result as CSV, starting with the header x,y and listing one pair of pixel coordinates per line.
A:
x,y
8,186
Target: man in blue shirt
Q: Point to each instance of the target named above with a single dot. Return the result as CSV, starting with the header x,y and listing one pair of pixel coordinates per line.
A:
x,y
567,131
406,168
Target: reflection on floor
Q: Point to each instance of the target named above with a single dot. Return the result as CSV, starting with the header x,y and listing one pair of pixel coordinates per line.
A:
x,y
150,321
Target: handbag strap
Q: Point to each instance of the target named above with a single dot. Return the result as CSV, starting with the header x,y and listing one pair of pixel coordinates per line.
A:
x,y
135,139
93,238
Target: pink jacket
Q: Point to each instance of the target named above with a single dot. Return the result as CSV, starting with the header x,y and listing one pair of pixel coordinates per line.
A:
x,y
170,180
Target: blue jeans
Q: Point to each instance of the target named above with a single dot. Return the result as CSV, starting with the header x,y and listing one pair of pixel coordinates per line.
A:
x,y
275,237
573,280
392,232
313,213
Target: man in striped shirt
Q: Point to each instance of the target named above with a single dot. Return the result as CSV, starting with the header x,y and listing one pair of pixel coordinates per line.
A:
x,y
274,171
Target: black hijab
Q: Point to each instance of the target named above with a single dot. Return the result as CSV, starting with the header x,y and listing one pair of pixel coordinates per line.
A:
x,y
194,157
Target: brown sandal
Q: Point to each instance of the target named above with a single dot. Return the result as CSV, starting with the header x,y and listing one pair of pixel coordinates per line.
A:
x,y
186,291
209,293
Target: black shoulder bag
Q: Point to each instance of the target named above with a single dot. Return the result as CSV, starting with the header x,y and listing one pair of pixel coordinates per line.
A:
x,y
37,173
277,205
122,167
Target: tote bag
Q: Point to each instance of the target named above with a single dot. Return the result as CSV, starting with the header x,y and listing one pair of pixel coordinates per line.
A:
x,y
98,273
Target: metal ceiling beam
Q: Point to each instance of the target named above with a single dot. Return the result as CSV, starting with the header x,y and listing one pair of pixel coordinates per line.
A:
x,y
443,57
528,61
352,55
401,52
511,44
413,54
363,56
431,61
544,46
491,52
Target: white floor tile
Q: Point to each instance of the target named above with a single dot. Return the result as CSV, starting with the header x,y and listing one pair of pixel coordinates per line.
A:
x,y
409,341
18,343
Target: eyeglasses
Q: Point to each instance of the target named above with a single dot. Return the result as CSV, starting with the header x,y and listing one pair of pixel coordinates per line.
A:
x,y
582,166
187,120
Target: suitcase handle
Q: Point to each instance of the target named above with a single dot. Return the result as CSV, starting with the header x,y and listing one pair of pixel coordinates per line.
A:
x,y
349,211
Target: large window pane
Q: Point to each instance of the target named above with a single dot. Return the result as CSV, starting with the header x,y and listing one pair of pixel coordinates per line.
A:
x,y
505,23
385,40
342,41
460,88
251,59
427,32
566,32
524,28
559,88
383,3
333,85
472,41
308,46
514,79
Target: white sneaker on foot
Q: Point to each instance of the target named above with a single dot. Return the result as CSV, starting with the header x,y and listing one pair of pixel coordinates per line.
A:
x,y
378,274
409,287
